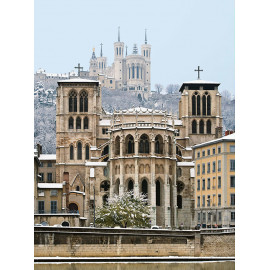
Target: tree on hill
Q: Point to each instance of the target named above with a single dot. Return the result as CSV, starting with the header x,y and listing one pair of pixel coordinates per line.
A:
x,y
159,87
172,88
125,210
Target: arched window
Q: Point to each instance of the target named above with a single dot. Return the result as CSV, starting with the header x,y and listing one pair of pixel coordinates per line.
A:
x,y
130,185
116,187
105,186
79,151
117,50
179,201
170,145
130,145
65,224
105,199
179,172
87,152
78,188
71,152
70,123
83,101
204,104
208,126
198,105
78,122
117,146
193,105
73,101
144,144
180,186
201,127
158,193
73,208
105,171
133,71
145,188
194,127
208,105
137,72
158,145
85,123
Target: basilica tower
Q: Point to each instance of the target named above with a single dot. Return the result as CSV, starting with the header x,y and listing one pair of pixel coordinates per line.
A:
x,y
146,53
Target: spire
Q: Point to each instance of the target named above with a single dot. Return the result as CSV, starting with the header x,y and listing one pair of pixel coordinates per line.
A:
x,y
101,49
93,54
145,39
135,49
118,33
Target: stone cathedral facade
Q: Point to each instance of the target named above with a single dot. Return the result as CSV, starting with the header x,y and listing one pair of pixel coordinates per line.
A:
x,y
144,150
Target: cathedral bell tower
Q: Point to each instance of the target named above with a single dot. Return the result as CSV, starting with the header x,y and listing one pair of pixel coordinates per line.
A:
x,y
146,53
200,110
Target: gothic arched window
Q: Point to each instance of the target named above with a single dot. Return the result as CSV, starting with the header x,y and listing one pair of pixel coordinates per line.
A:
x,y
104,185
70,123
179,201
116,187
193,105
198,105
194,127
158,193
105,199
71,152
130,185
145,187
79,151
138,72
170,145
117,146
87,152
204,104
208,126
73,101
78,122
144,144
83,101
208,105
85,123
133,72
201,127
158,145
130,145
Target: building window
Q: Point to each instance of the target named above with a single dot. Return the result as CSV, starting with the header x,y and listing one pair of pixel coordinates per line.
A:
x,y
41,165
232,148
41,207
53,207
203,153
198,154
159,146
204,217
219,165
203,168
219,182
85,123
232,165
41,193
49,177
208,200
194,127
145,188
208,167
204,104
54,192
203,184
179,201
208,105
198,105
232,199
41,177
198,201
79,151
219,149
214,166
232,181
130,145
208,127
144,144
198,169
198,184
49,164
71,152
105,171
208,152
105,131
233,216
219,199
203,201
199,217
158,193
208,183
70,123
77,188
87,152
209,217
219,216
214,151
73,101
201,127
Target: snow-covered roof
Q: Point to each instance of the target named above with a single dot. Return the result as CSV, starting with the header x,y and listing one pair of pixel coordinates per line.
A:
x,y
140,110
96,164
200,82
187,157
105,122
78,192
78,80
47,157
229,138
63,75
182,164
50,185
188,148
178,122
192,172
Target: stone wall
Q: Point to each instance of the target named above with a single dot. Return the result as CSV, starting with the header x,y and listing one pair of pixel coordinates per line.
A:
x,y
93,242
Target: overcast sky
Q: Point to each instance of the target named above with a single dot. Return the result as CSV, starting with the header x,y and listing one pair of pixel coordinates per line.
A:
x,y
183,35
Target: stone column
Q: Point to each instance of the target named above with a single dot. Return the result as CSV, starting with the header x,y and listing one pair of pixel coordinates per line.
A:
x,y
153,213
136,176
122,169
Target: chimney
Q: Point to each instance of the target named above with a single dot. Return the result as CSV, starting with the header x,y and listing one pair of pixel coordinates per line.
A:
x,y
39,149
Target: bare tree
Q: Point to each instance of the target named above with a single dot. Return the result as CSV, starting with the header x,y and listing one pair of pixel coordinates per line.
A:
x,y
172,88
159,87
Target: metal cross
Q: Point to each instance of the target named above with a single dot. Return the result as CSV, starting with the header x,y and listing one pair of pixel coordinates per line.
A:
x,y
101,50
79,69
198,71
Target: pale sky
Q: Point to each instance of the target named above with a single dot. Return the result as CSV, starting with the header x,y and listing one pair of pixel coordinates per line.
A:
x,y
183,35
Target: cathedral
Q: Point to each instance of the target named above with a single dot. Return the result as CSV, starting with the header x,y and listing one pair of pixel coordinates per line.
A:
x,y
149,151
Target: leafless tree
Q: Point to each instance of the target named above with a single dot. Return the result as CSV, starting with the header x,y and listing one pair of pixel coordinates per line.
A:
x,y
159,87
